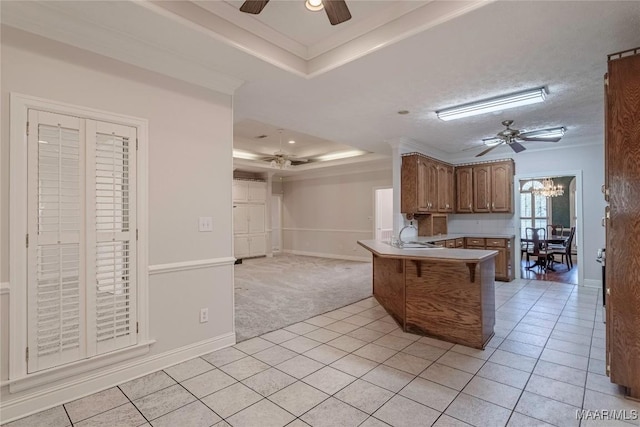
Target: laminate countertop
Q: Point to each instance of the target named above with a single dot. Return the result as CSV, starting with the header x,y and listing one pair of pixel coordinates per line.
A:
x,y
385,250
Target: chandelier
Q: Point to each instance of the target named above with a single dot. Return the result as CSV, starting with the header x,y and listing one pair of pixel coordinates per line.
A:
x,y
548,189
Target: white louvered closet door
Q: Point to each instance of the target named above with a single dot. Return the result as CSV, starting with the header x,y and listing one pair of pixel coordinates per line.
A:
x,y
111,225
82,229
55,288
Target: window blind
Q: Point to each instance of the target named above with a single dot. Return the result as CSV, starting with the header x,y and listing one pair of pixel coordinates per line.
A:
x,y
81,255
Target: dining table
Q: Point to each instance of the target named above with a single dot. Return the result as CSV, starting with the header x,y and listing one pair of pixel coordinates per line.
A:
x,y
551,240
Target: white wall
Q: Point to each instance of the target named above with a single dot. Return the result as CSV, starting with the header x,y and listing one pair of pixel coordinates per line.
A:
x,y
325,216
589,160
190,171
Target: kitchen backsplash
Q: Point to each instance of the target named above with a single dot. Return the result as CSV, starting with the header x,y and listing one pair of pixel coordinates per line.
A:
x,y
482,223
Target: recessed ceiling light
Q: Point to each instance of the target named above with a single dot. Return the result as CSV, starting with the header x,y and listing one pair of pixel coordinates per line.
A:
x,y
292,142
403,112
314,5
499,103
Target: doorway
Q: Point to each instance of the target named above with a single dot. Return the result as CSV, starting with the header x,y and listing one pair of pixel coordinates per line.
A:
x,y
556,213
383,213
276,223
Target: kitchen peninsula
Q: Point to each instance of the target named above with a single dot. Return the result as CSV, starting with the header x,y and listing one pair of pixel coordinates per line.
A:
x,y
439,292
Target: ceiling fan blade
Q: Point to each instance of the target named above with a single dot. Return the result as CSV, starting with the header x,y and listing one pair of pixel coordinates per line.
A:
x,y
517,147
471,148
253,6
489,149
531,138
337,11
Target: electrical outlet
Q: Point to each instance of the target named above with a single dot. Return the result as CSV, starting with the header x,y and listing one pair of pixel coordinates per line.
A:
x,y
205,223
204,315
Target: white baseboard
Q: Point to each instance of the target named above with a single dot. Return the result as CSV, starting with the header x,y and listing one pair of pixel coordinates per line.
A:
x,y
592,283
49,397
332,256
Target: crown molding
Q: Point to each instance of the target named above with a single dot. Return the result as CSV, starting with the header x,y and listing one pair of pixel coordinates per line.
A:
x,y
67,25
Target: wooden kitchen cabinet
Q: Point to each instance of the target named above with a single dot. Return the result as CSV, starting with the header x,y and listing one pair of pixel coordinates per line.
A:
x,y
426,185
414,193
492,187
482,188
445,188
464,189
504,261
502,187
622,189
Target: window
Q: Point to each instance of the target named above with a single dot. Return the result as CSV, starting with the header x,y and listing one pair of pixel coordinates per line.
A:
x,y
81,255
534,210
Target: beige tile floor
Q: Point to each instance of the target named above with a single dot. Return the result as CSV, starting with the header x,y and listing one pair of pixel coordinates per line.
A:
x,y
354,367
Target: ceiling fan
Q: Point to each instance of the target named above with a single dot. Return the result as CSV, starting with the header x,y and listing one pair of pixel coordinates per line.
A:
x,y
281,159
337,10
513,137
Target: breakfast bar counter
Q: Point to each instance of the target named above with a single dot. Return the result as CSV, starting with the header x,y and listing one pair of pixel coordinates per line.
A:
x,y
438,292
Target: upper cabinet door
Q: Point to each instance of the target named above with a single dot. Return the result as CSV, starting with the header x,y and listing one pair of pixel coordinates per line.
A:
x,y
501,187
422,184
414,191
464,189
482,188
432,186
445,188
240,190
257,191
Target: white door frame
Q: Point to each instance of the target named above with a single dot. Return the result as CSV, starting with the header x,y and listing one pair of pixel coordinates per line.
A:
x,y
280,200
580,222
375,207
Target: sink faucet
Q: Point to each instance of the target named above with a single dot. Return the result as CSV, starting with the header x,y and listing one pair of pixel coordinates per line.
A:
x,y
412,233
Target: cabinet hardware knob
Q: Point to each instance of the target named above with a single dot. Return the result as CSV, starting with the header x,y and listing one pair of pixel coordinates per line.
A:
x,y
608,291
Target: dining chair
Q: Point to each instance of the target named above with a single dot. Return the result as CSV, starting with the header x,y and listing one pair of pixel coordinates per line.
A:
x,y
565,250
555,230
537,237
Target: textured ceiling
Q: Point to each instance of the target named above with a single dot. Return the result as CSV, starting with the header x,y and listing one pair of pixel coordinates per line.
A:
x,y
501,47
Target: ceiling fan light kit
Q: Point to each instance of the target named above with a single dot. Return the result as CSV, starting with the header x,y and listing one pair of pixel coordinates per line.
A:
x,y
337,10
513,137
314,5
499,103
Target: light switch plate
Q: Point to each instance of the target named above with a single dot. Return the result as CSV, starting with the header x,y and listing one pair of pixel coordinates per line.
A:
x,y
205,223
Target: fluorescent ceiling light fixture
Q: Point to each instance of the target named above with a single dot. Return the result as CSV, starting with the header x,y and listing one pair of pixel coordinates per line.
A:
x,y
314,5
546,133
240,154
341,155
493,104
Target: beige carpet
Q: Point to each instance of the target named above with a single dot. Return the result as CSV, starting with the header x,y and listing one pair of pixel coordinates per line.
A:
x,y
271,293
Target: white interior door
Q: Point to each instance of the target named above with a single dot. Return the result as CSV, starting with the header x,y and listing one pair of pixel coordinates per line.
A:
x,y
383,213
276,222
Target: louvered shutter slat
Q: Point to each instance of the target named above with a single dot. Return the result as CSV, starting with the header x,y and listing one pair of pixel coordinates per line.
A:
x,y
57,229
113,217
